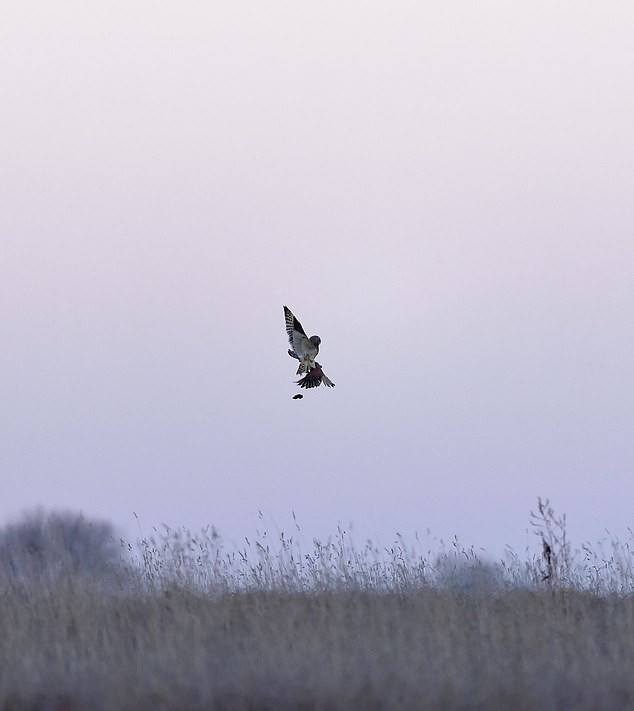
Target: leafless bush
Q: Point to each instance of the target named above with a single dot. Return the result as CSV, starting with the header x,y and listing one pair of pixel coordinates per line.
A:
x,y
462,571
43,548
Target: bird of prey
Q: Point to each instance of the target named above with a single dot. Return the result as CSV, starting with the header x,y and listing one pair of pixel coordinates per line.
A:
x,y
305,350
314,378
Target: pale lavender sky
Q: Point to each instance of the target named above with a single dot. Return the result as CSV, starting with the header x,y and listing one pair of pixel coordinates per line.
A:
x,y
441,190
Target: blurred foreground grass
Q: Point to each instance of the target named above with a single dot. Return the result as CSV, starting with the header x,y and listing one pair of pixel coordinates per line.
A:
x,y
178,622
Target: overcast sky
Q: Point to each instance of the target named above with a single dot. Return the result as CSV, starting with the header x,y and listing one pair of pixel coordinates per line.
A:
x,y
441,190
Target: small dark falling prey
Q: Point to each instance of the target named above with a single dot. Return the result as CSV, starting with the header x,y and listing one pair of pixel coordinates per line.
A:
x,y
299,396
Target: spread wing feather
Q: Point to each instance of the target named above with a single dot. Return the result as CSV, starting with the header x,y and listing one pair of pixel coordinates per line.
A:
x,y
314,378
296,335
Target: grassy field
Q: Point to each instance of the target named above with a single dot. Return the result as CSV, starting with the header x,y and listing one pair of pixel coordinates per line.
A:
x,y
177,622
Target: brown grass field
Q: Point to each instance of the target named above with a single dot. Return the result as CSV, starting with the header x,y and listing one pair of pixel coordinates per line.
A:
x,y
88,622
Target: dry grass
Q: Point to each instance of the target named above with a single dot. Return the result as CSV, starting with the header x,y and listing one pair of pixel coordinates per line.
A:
x,y
270,627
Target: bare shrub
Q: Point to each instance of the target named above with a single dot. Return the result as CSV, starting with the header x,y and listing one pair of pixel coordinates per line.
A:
x,y
463,572
43,548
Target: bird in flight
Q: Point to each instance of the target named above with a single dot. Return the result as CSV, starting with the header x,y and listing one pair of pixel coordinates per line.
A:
x,y
305,350
314,378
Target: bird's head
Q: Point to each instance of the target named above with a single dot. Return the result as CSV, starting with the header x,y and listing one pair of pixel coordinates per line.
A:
x,y
315,340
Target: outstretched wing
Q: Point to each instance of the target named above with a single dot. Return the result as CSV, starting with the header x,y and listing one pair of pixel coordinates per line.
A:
x,y
314,378
327,381
297,337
